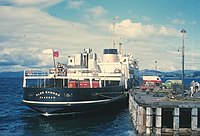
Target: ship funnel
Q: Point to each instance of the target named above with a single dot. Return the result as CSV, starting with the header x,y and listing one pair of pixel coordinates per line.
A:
x,y
110,55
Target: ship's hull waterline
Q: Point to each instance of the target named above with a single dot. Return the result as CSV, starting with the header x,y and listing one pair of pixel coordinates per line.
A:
x,y
66,101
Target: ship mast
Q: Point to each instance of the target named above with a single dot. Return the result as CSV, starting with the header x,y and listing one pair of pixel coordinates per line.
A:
x,y
114,31
120,46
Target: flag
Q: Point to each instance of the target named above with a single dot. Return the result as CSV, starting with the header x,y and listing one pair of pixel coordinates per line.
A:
x,y
55,53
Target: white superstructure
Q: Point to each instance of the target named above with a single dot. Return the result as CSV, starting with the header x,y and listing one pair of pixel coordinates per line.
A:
x,y
110,66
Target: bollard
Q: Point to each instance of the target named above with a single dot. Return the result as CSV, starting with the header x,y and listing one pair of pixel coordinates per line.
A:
x,y
141,119
158,121
176,119
149,120
194,119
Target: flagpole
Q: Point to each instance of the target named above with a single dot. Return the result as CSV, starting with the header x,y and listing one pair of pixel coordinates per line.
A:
x,y
54,61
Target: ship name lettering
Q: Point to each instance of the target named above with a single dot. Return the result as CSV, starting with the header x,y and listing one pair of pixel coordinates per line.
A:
x,y
47,97
47,92
68,94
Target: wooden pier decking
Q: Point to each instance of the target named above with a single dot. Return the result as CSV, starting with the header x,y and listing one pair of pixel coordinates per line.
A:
x,y
164,113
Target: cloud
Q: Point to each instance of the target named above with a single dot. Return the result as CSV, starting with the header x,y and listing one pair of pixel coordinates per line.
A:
x,y
146,18
47,51
75,4
4,38
97,11
28,34
139,31
33,3
7,63
17,56
5,3
167,31
194,22
150,43
96,17
177,21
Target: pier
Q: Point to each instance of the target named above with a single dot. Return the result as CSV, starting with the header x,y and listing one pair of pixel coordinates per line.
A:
x,y
164,112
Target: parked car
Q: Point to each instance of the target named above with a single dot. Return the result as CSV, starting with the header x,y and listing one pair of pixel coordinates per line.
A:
x,y
143,87
151,87
169,83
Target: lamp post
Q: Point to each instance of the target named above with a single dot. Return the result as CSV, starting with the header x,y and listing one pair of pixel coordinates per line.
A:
x,y
183,55
156,66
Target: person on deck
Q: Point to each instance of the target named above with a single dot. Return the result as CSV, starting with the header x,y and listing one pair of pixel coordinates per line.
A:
x,y
193,84
196,86
191,91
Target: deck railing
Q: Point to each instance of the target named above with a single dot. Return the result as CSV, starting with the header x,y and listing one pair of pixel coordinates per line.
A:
x,y
31,72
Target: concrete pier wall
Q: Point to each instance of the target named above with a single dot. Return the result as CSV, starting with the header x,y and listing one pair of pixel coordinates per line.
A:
x,y
167,117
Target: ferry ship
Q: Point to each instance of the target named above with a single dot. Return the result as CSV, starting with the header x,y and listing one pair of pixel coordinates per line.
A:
x,y
87,83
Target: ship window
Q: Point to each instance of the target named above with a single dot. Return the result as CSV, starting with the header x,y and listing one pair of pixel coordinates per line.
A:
x,y
95,56
91,56
110,51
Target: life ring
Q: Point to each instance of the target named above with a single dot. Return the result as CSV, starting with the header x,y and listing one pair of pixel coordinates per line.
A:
x,y
117,70
29,72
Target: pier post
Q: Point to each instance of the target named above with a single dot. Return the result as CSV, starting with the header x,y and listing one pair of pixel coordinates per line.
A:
x,y
63,82
133,108
135,115
149,120
141,119
131,105
176,119
158,121
194,119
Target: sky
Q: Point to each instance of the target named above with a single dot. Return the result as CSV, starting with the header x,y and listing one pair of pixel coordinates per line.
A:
x,y
148,29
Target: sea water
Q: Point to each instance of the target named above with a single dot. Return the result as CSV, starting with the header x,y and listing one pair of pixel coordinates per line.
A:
x,y
17,119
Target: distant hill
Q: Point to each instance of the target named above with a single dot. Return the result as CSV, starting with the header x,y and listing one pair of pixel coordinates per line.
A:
x,y
178,73
18,74
145,72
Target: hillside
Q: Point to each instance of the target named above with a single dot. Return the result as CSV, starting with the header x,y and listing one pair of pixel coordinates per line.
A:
x,y
18,74
145,72
178,73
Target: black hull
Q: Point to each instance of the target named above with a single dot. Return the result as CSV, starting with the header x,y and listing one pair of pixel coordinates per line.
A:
x,y
65,101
